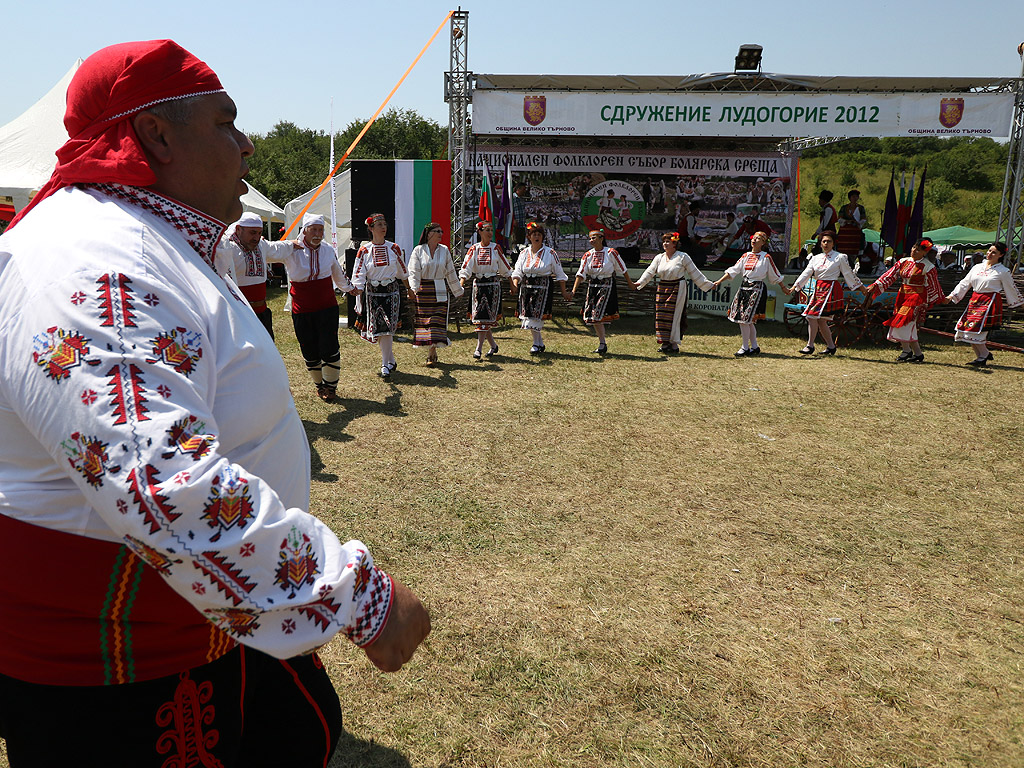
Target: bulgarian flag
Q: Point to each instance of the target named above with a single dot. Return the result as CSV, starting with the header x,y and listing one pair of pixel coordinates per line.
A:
x,y
486,198
410,194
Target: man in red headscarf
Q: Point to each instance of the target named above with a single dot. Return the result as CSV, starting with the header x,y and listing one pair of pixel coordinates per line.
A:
x,y
162,586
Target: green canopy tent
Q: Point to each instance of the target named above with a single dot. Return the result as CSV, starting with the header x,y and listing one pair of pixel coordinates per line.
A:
x,y
958,237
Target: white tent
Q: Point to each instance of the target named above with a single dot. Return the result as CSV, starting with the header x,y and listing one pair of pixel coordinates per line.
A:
x,y
322,206
28,146
256,202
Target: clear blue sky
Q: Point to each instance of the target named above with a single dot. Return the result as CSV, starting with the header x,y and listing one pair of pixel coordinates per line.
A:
x,y
287,60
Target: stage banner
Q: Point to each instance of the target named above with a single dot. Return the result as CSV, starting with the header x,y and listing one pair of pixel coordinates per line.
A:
x,y
635,197
781,115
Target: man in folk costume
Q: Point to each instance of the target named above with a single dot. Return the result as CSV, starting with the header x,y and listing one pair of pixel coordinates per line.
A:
x,y
244,255
919,292
313,272
162,588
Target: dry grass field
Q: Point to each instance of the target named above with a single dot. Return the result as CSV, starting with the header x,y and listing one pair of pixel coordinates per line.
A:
x,y
686,561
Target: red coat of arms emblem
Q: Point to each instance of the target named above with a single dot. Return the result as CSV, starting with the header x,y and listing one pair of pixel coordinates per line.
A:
x,y
535,109
951,112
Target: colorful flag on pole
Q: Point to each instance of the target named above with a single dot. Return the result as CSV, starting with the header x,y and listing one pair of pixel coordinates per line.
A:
x,y
503,224
888,230
484,212
410,194
915,226
903,218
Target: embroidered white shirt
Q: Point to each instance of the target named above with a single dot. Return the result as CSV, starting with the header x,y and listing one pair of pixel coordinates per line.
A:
x,y
141,402
676,267
544,262
437,268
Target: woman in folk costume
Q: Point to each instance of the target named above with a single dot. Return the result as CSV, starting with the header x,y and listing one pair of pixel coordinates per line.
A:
x,y
988,282
379,272
313,272
431,278
599,266
486,264
920,291
852,220
537,268
671,267
829,268
749,303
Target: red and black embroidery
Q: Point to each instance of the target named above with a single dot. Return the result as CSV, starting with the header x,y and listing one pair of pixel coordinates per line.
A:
x,y
126,394
159,512
58,351
185,437
153,557
323,611
187,714
201,231
296,564
88,457
116,304
178,348
374,612
240,622
226,576
229,505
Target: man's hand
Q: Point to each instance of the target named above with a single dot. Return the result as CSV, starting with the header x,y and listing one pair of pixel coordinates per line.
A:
x,y
407,625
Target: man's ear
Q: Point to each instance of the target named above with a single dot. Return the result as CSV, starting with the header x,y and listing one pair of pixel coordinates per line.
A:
x,y
153,135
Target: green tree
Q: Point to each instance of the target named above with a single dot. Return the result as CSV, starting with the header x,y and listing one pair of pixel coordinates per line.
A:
x,y
400,134
289,161
960,167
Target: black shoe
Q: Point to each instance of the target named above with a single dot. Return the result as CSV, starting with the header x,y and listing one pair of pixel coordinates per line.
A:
x,y
536,349
602,349
979,363
989,357
741,353
491,352
326,393
477,355
754,351
829,351
904,357
808,350
916,358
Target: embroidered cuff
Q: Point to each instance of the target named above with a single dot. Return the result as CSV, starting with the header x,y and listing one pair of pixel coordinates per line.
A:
x,y
374,608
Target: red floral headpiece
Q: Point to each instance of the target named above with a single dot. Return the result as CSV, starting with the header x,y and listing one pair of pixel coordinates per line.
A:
x,y
532,225
372,219
481,224
673,236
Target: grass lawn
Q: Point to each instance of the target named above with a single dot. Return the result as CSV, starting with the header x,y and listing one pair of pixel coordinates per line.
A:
x,y
686,561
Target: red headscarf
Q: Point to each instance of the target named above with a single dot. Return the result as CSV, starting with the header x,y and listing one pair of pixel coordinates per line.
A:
x,y
109,88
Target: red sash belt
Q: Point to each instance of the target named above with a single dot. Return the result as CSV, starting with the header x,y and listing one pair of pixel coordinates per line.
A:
x,y
312,295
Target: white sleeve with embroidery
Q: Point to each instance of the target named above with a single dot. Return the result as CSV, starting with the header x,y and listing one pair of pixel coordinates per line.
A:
x,y
120,377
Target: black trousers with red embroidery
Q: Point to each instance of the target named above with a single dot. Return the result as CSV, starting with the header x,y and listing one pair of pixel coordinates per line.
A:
x,y
245,710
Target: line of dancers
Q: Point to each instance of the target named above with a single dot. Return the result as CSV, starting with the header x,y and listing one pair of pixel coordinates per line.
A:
x,y
431,281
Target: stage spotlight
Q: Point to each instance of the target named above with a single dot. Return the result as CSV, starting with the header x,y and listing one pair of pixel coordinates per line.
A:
x,y
748,59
